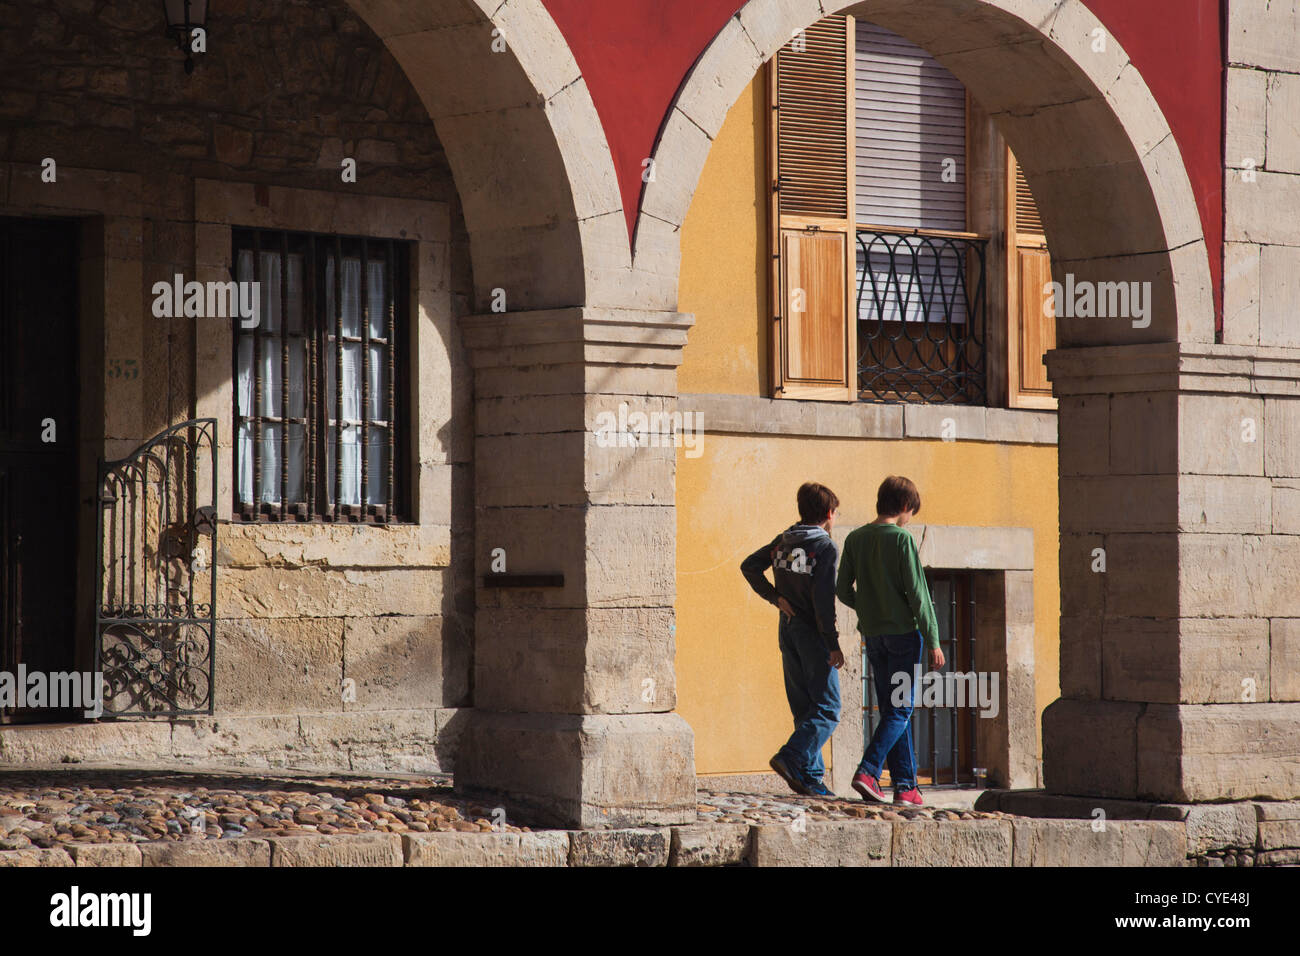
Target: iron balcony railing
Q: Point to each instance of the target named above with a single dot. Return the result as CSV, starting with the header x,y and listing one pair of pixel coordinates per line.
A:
x,y
921,309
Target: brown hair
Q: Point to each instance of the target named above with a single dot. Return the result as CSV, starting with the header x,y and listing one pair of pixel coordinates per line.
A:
x,y
816,502
896,495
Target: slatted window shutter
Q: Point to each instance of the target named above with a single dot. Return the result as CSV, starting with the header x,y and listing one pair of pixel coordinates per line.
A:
x,y
1032,318
1028,221
813,247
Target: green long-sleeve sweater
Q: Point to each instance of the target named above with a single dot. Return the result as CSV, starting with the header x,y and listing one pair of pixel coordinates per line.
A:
x,y
882,579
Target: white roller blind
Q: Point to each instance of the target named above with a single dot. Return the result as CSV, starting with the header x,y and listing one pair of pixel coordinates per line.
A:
x,y
911,116
911,119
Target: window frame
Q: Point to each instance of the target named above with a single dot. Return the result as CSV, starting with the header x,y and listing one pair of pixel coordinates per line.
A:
x,y
320,334
949,348
959,614
995,346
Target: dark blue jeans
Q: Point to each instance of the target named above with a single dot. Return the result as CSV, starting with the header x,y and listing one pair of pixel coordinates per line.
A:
x,y
889,655
813,689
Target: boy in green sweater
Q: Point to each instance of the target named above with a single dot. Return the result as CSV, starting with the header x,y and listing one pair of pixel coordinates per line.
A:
x,y
882,579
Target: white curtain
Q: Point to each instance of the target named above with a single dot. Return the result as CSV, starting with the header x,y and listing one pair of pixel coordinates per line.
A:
x,y
275,321
354,371
266,357
377,454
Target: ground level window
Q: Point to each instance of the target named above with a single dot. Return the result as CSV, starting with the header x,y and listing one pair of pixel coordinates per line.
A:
x,y
943,736
318,416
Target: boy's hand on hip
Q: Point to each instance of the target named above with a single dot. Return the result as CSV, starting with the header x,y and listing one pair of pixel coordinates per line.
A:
x,y
837,659
936,658
785,607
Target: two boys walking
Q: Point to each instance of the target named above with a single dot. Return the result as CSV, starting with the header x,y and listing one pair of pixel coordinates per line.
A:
x,y
882,579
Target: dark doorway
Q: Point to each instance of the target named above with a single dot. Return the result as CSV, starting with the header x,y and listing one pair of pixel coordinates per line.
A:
x,y
38,452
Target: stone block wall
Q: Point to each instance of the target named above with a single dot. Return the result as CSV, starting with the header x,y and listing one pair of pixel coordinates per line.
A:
x,y
1177,466
1262,160
1262,307
284,93
1176,570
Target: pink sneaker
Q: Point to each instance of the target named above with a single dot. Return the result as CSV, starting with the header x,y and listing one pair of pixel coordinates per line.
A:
x,y
912,796
869,787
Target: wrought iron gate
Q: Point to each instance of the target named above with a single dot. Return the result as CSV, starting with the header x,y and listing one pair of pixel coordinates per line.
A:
x,y
155,612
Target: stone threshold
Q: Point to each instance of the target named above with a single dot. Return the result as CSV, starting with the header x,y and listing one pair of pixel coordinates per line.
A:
x,y
1006,828
761,782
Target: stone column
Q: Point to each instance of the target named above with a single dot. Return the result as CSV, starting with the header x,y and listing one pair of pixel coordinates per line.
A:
x,y
1180,663
573,721
1179,561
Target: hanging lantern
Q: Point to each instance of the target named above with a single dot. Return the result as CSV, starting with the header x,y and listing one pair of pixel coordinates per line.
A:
x,y
183,18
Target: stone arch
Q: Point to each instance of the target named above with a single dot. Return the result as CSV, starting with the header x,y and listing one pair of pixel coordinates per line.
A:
x,y
526,147
1108,175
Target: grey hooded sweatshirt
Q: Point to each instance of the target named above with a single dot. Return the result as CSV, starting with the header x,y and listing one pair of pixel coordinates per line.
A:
x,y
803,561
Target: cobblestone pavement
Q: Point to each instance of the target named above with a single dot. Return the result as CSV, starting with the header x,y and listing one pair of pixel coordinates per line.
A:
x,y
47,809
50,809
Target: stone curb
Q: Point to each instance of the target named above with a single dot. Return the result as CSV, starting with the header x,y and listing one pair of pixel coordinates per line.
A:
x,y
544,848
1267,832
355,849
1011,841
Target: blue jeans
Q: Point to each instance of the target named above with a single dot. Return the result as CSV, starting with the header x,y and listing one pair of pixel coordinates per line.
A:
x,y
813,689
889,655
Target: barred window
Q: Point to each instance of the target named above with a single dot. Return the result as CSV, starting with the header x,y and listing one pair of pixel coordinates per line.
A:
x,y
306,449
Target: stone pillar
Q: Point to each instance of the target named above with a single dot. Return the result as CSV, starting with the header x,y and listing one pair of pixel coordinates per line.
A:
x,y
573,721
1180,507
1180,668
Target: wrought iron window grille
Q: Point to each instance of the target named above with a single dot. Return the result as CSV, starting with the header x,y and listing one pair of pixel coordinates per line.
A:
x,y
305,449
922,317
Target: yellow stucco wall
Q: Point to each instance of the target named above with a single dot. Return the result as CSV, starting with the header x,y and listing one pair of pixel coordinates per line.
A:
x,y
724,258
740,492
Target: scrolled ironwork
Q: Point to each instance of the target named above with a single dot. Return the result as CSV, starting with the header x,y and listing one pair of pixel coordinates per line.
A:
x,y
156,669
155,617
921,310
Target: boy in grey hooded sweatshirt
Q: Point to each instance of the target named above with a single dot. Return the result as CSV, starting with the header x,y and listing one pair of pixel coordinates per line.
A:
x,y
803,561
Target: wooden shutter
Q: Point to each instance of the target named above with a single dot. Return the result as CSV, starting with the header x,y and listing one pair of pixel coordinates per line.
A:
x,y
1028,220
1031,317
813,243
